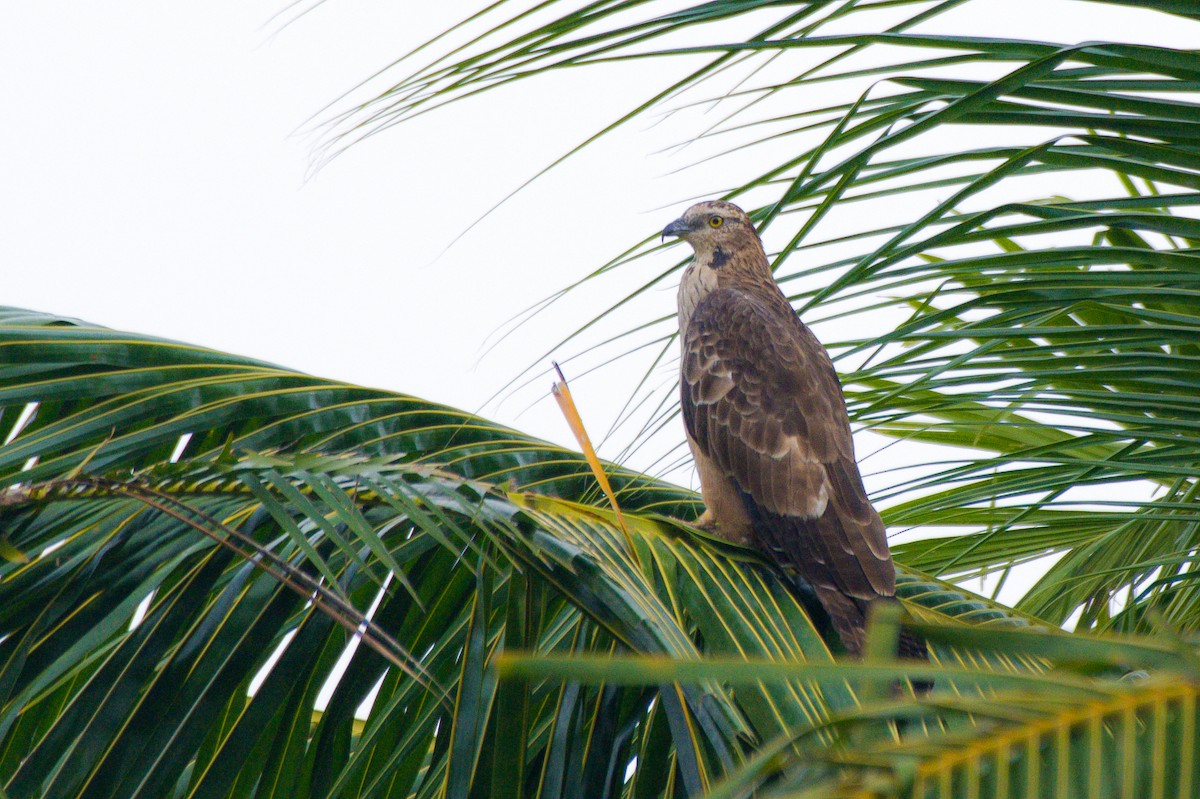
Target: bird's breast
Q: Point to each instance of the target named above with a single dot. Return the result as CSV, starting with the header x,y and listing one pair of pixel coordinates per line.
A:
x,y
698,281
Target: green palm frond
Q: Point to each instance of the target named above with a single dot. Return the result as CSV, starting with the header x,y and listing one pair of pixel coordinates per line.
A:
x,y
177,609
122,401
994,736
169,627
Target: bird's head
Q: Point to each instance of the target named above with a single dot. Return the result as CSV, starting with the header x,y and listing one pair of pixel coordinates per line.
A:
x,y
713,225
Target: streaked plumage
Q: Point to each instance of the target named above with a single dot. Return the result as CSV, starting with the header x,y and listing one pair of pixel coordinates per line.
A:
x,y
767,423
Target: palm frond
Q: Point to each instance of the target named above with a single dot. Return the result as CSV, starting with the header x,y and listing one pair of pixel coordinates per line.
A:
x,y
179,609
1058,734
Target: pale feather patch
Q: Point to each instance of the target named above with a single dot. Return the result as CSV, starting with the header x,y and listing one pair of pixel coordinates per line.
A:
x,y
818,502
698,281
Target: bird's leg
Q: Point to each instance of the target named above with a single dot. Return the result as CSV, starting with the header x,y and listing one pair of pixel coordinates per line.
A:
x,y
705,521
713,523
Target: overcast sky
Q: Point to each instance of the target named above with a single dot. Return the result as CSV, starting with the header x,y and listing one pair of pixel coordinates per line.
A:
x,y
155,178
152,180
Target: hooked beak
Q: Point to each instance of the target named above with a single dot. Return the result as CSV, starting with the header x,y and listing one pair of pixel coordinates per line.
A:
x,y
676,228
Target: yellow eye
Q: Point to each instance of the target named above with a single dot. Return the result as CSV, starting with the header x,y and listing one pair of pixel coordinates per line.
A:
x,y
715,221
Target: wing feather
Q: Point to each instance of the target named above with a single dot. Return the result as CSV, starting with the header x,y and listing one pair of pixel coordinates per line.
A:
x,y
762,400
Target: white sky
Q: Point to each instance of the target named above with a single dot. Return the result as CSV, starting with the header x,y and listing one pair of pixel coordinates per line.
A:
x,y
150,181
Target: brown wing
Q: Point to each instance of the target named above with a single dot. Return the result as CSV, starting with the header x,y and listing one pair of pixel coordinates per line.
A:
x,y
762,400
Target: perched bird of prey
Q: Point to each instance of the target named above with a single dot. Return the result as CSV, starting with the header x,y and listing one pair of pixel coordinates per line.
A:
x,y
767,424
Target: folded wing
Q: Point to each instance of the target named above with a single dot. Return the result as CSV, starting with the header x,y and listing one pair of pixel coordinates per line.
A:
x,y
761,400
